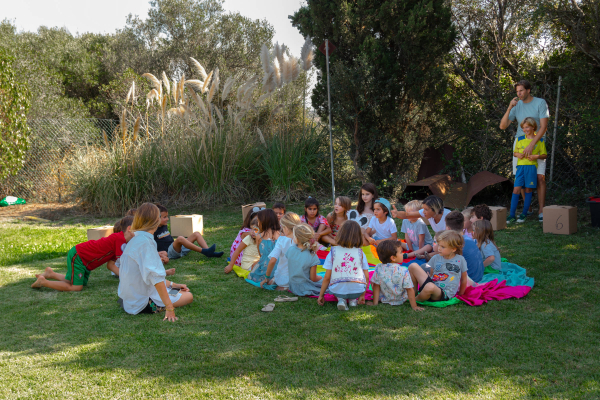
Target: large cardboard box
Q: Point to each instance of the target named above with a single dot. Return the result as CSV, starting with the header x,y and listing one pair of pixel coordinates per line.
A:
x,y
185,225
499,215
98,233
560,219
248,207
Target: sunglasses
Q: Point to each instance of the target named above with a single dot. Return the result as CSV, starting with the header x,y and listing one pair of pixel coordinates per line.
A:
x,y
257,209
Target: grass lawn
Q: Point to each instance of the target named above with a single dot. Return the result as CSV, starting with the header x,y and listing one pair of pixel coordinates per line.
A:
x,y
82,345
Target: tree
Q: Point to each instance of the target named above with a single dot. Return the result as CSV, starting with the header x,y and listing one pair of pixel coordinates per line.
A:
x,y
386,75
14,131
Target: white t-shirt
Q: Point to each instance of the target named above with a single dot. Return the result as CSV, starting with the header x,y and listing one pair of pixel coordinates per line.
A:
x,y
141,269
346,287
385,230
282,275
440,226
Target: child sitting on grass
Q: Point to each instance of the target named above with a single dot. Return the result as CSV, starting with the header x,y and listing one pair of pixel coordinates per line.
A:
x,y
455,221
281,277
467,226
391,282
180,247
142,284
279,209
479,212
81,260
302,263
382,226
484,235
417,236
347,268
269,228
247,248
448,270
244,231
337,217
313,217
526,170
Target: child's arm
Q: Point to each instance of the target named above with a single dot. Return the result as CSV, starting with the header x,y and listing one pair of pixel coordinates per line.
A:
x,y
313,274
375,294
112,266
234,257
324,286
421,240
404,214
361,299
323,230
411,299
268,276
518,155
368,235
488,261
161,288
463,283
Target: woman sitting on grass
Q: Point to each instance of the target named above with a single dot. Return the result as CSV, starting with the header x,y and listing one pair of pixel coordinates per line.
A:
x,y
142,284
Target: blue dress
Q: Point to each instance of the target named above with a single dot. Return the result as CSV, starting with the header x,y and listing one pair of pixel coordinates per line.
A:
x,y
299,265
260,270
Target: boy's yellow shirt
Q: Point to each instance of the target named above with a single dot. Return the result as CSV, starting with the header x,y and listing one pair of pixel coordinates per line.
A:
x,y
540,148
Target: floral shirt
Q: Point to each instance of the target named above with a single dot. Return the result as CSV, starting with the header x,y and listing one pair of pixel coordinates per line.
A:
x,y
320,220
235,245
393,280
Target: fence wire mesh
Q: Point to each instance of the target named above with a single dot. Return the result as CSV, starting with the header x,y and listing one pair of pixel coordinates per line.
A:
x,y
53,142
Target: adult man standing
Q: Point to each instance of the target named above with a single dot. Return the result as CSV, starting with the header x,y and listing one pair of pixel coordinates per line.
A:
x,y
521,107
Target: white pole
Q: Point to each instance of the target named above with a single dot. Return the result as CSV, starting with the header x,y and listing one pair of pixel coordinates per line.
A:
x,y
329,106
555,125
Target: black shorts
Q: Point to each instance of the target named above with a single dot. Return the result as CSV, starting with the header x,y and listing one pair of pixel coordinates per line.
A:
x,y
429,280
151,307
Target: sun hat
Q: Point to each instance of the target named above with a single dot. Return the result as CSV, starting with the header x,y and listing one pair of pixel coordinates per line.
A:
x,y
385,203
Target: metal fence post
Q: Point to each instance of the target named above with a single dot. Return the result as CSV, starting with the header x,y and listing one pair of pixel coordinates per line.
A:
x,y
555,126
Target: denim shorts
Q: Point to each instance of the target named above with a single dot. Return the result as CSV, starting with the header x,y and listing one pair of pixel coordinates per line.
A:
x,y
173,254
351,296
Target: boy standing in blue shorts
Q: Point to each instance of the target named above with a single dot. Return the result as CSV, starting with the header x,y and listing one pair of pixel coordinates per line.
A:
x,y
526,169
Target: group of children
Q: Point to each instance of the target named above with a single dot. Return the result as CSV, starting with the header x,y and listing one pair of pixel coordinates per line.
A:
x,y
276,250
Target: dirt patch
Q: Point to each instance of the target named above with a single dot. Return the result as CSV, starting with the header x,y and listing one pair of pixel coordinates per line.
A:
x,y
49,211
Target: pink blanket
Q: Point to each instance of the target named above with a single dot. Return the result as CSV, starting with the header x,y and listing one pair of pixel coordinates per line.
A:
x,y
476,296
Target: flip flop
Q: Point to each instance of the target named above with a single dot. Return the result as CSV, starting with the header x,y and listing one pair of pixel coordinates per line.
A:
x,y
268,308
282,299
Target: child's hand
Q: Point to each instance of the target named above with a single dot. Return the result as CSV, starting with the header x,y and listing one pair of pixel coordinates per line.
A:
x,y
321,300
228,268
370,303
417,308
371,241
182,287
170,316
361,299
263,282
398,214
532,157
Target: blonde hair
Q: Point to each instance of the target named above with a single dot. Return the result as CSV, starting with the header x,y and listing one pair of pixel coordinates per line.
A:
x,y
531,122
414,205
146,218
453,240
483,232
345,203
290,220
303,234
467,213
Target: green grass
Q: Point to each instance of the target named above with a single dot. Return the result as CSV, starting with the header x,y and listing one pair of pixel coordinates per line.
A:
x,y
81,345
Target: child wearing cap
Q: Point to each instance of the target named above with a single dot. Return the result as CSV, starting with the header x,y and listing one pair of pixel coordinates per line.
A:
x,y
382,227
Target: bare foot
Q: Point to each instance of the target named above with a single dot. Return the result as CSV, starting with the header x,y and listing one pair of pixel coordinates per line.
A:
x,y
170,271
228,269
38,283
47,272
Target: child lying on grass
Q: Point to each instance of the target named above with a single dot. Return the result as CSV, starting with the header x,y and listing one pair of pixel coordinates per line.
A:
x,y
82,259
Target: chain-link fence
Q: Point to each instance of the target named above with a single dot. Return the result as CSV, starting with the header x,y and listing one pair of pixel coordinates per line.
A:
x,y
53,143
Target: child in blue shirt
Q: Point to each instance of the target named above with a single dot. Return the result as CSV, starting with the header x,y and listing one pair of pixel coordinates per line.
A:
x,y
417,236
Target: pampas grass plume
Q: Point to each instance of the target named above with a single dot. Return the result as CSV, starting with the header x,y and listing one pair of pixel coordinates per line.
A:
x,y
136,128
152,78
265,58
199,68
306,54
166,82
205,87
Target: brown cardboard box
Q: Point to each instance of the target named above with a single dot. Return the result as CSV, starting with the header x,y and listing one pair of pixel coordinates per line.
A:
x,y
248,207
499,215
98,233
185,225
560,219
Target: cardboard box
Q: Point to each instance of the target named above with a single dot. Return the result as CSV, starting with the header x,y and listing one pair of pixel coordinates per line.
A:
x,y
99,233
499,215
185,225
248,207
561,220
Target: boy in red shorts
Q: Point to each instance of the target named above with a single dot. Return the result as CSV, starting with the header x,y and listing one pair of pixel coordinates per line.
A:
x,y
81,260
